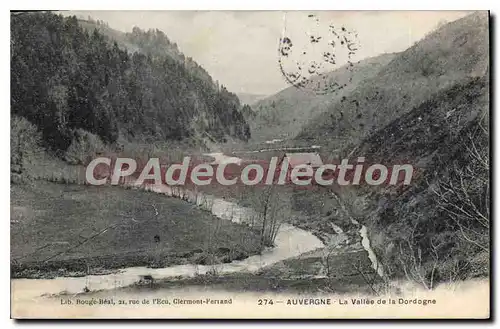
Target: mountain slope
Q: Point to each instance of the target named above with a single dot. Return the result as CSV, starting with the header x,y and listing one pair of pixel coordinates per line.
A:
x,y
250,99
454,52
443,215
152,42
285,113
70,82
429,107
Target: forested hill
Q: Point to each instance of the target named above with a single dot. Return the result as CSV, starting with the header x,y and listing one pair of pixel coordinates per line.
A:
x,y
152,42
66,78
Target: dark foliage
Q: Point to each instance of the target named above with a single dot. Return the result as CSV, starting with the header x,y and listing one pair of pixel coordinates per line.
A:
x,y
66,78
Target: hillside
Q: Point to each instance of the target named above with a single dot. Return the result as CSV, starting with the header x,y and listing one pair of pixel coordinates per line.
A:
x,y
152,42
285,113
79,92
454,52
76,85
444,213
250,99
428,107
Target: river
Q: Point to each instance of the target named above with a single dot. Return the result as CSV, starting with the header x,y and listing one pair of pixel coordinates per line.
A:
x,y
290,242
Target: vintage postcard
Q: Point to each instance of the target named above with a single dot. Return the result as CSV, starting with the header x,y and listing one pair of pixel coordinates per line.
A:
x,y
250,164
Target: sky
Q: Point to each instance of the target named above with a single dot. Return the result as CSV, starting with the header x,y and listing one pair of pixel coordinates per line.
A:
x,y
240,48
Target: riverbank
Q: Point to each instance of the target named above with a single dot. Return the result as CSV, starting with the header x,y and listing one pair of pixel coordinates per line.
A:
x,y
292,258
75,230
290,242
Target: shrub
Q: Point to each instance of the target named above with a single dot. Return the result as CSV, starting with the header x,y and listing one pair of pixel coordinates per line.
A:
x,y
25,140
84,147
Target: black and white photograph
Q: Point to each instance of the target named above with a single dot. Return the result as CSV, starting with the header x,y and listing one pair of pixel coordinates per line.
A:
x,y
204,164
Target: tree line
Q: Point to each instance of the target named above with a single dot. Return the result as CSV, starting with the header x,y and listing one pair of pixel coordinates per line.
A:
x,y
65,79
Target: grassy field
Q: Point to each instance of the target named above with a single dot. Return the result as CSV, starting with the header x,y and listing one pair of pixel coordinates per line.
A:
x,y
61,229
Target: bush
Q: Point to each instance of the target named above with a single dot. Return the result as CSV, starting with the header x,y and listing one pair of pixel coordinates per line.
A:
x,y
25,142
84,147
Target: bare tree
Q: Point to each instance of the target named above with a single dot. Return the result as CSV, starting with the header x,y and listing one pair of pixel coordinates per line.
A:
x,y
273,207
325,260
465,195
411,259
370,281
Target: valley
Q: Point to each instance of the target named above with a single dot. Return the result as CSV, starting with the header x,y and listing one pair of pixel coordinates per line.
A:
x,y
135,94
